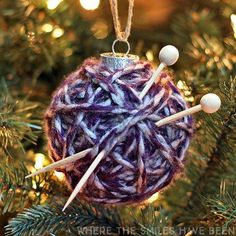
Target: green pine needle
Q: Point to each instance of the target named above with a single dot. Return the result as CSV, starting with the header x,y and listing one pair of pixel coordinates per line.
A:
x,y
43,220
18,192
223,206
18,120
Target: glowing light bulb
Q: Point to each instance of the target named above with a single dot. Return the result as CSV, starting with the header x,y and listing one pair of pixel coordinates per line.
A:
x,y
233,22
52,4
47,28
186,90
149,55
57,32
39,160
59,175
181,84
100,29
34,185
153,198
68,52
90,4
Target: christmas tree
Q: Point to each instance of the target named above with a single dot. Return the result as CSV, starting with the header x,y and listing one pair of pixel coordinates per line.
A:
x,y
42,41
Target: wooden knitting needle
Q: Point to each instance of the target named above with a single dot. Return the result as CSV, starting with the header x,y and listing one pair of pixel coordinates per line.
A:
x,y
168,56
62,162
209,103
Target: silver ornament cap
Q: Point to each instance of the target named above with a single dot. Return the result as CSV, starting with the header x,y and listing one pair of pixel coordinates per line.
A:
x,y
115,61
118,60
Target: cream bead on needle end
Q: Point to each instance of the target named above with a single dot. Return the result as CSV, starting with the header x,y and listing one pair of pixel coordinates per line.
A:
x,y
169,55
209,103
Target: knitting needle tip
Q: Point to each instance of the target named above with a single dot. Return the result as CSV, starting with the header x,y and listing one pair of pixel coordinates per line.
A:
x,y
62,162
85,177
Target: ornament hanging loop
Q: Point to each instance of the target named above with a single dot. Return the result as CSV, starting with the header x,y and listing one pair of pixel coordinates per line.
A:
x,y
121,35
121,40
115,60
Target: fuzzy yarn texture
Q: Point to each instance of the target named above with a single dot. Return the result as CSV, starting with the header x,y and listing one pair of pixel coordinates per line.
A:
x,y
97,107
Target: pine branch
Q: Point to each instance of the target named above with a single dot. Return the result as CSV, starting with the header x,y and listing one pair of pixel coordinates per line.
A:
x,y
198,18
27,45
43,220
87,219
212,61
212,151
220,156
223,206
18,192
225,145
18,120
153,221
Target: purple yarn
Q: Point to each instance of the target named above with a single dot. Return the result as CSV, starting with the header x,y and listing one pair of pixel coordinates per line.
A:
x,y
98,108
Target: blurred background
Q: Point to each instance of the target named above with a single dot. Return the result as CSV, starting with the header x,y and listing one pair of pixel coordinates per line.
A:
x,y
41,41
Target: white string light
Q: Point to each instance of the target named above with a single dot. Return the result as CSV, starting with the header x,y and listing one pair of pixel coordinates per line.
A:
x,y
233,22
47,28
90,4
39,160
52,4
57,32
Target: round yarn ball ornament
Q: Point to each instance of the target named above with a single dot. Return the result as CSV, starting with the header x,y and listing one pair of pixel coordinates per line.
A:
x,y
98,107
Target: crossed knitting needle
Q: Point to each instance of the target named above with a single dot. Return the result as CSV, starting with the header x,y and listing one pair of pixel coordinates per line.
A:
x,y
168,56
